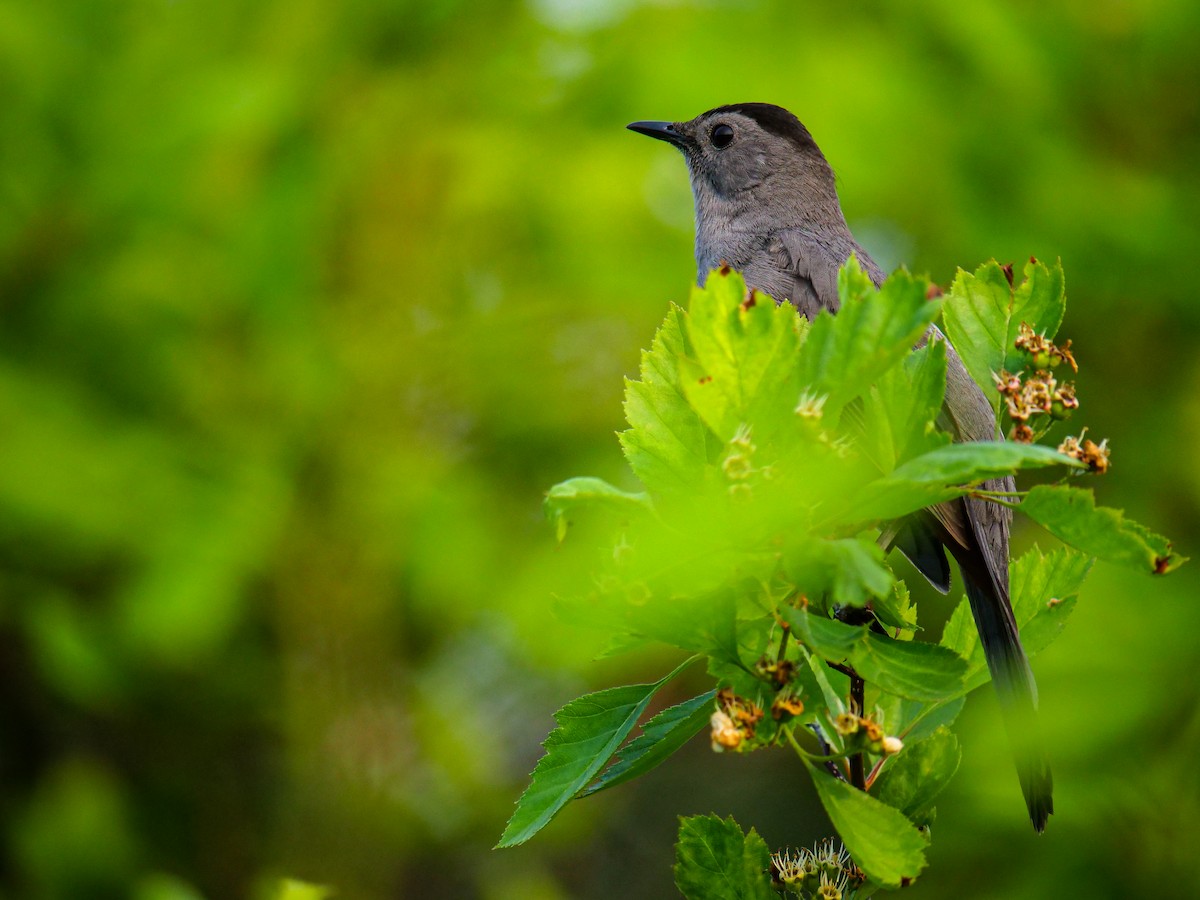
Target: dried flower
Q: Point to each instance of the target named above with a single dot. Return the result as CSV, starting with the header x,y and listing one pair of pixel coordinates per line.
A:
x,y
873,730
1041,351
787,706
734,720
1063,402
811,406
781,673
1063,354
1007,383
1094,456
846,724
741,439
725,735
737,466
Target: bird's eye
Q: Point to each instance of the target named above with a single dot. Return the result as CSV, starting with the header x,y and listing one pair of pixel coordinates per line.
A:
x,y
722,136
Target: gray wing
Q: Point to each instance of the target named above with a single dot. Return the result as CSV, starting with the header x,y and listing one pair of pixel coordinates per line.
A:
x,y
802,266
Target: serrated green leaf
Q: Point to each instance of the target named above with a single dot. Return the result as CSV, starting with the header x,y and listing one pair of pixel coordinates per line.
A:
x,y
948,472
660,737
881,840
873,331
983,315
960,635
666,443
900,412
1071,515
1043,588
914,669
744,368
896,610
580,493
590,729
714,860
912,780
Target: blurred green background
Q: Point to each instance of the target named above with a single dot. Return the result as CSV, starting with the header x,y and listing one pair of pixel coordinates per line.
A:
x,y
302,306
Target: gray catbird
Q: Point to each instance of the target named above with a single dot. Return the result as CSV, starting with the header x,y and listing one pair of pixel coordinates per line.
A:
x,y
767,205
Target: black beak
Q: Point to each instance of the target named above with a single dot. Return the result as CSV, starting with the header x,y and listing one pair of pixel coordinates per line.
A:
x,y
664,131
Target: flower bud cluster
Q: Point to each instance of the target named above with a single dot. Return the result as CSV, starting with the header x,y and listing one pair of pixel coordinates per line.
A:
x,y
1041,352
734,721
864,733
1039,394
826,872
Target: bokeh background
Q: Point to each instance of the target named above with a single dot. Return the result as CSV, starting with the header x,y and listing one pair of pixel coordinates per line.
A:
x,y
302,306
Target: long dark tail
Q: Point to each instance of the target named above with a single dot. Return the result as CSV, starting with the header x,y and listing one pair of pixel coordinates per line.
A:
x,y
1016,691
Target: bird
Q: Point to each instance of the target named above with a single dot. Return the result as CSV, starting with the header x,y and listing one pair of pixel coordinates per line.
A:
x,y
766,205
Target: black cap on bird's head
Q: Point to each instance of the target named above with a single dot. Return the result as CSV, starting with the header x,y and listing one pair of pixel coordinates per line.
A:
x,y
723,128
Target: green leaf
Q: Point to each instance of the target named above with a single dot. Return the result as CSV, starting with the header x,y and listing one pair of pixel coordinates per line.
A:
x,y
948,472
851,570
881,840
912,780
714,860
919,722
744,365
1043,589
574,493
900,412
873,331
983,315
666,441
914,669
961,636
660,737
590,729
1071,515
896,610
814,678
294,889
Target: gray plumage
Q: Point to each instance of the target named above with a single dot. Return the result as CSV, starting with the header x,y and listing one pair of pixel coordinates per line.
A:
x,y
767,205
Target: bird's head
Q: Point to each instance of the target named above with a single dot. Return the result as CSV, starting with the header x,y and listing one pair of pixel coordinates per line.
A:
x,y
751,154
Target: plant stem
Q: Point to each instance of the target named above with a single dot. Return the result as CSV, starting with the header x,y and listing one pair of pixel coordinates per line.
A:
x,y
875,771
858,689
828,759
996,497
783,642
